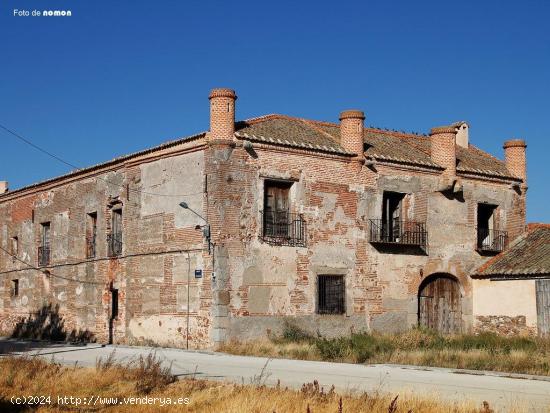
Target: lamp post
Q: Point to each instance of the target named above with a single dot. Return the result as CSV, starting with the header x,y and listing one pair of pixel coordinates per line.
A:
x,y
205,228
206,234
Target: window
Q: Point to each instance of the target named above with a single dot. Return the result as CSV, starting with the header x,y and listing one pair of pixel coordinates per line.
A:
x,y
393,228
392,212
91,234
44,251
14,246
14,288
331,294
280,226
489,238
115,237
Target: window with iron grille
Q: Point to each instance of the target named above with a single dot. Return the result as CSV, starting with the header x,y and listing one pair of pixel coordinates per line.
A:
x,y
91,234
279,225
44,251
331,294
489,237
114,239
394,228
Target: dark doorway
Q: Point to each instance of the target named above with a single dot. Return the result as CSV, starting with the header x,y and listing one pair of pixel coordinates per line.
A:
x,y
543,307
114,311
392,216
440,305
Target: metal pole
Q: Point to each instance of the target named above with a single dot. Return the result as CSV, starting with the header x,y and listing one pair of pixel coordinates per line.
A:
x,y
188,288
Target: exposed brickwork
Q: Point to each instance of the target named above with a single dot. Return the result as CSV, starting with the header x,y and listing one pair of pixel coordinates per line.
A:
x,y
443,148
248,284
514,154
222,113
351,131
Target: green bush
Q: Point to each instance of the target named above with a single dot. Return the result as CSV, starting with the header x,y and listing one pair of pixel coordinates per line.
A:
x,y
332,349
291,332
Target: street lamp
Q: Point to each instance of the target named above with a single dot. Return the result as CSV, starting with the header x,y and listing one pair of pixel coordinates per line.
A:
x,y
205,228
206,234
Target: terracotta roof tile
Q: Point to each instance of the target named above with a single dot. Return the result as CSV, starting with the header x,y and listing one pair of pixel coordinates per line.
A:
x,y
528,255
380,144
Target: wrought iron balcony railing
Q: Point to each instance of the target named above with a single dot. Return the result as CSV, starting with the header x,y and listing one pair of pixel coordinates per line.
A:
x,y
90,246
114,243
398,232
44,256
491,240
283,228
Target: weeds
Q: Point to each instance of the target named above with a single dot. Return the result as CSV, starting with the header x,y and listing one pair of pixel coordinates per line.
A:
x,y
487,351
24,375
150,374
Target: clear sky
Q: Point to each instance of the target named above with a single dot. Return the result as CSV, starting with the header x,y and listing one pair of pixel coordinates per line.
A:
x,y
120,76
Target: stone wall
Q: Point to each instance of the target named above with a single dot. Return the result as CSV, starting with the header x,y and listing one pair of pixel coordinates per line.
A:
x,y
249,286
267,283
506,307
161,250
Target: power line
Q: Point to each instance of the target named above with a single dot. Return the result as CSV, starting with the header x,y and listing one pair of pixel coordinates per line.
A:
x,y
38,148
47,272
71,264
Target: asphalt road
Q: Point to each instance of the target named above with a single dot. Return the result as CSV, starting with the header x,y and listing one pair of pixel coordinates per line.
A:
x,y
500,391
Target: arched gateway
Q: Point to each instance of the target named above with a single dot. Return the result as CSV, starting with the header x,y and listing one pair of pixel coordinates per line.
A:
x,y
439,304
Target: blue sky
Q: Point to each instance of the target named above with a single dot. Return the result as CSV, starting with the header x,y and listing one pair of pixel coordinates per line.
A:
x,y
119,76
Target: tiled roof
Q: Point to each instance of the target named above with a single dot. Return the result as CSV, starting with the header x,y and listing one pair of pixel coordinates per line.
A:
x,y
123,158
528,255
287,131
380,144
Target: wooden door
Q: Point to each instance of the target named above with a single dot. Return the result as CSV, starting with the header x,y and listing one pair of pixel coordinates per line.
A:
x,y
543,306
439,305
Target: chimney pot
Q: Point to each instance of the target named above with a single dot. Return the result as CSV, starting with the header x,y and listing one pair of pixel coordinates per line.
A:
x,y
3,187
222,113
514,154
443,148
351,132
462,138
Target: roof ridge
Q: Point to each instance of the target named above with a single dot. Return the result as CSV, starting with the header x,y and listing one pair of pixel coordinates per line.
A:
x,y
113,161
532,226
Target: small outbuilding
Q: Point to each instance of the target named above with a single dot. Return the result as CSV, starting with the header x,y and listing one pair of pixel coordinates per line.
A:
x,y
511,292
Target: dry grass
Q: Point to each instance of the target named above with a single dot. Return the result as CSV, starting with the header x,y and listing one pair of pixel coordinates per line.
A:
x,y
35,376
527,355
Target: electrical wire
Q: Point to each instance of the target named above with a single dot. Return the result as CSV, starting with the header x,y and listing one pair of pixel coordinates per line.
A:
x,y
71,264
38,148
47,272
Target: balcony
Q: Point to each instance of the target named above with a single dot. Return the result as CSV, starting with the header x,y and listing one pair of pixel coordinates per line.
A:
x,y
114,243
90,246
491,240
44,256
410,233
283,228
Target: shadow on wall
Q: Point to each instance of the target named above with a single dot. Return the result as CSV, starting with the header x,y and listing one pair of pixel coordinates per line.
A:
x,y
48,324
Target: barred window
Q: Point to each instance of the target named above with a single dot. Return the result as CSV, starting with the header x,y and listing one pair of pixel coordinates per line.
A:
x,y
279,225
44,251
331,294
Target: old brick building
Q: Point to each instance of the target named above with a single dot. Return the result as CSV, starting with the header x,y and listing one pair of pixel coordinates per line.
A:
x,y
338,227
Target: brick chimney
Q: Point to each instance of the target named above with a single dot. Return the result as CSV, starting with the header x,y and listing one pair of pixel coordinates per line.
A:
x,y
3,187
514,153
443,148
222,114
351,132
